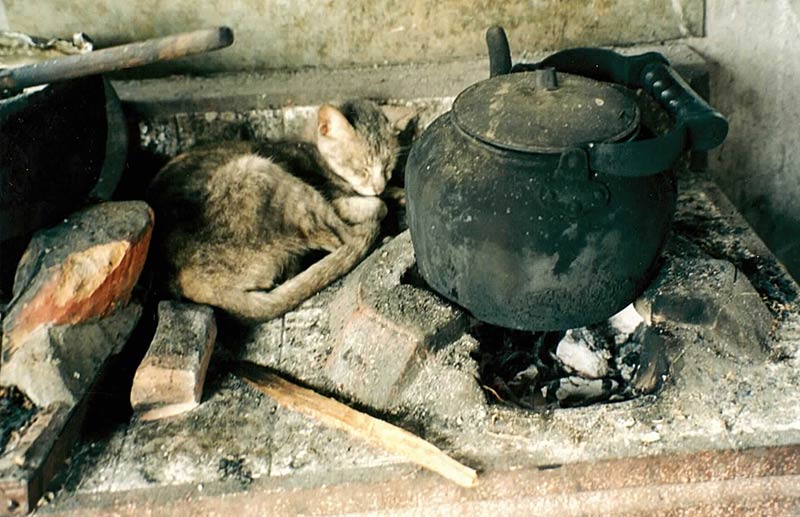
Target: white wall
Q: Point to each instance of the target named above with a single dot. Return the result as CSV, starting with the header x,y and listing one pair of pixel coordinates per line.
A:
x,y
754,47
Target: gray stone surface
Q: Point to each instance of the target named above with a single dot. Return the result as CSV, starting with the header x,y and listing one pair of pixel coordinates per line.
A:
x,y
275,34
276,96
60,363
712,295
709,401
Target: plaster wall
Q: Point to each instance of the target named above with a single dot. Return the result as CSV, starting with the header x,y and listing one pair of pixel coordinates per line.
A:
x,y
754,52
298,33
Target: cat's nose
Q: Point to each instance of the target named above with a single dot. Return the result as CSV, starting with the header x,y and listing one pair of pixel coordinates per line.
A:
x,y
378,185
378,182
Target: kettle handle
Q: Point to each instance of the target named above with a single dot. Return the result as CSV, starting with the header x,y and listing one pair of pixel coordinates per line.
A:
x,y
706,128
697,125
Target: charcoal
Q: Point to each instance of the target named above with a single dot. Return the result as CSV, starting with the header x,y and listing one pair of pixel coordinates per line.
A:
x,y
624,323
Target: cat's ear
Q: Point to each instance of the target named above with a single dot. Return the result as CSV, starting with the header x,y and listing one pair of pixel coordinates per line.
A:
x,y
399,116
331,123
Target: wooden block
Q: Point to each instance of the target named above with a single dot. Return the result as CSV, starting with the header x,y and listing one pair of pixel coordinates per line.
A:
x,y
170,378
79,270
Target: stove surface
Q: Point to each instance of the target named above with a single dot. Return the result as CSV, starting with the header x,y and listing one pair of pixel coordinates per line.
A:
x,y
729,408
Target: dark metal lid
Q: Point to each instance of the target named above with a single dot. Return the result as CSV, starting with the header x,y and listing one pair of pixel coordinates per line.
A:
x,y
545,111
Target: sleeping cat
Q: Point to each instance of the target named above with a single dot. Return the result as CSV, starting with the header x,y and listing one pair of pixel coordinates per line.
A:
x,y
234,220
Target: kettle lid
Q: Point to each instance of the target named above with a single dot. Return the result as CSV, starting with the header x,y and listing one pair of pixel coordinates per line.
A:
x,y
545,111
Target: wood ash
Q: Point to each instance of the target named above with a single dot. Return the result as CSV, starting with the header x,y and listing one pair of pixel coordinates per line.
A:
x,y
578,367
16,413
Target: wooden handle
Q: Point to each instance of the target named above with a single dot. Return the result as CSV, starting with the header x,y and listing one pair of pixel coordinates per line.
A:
x,y
116,58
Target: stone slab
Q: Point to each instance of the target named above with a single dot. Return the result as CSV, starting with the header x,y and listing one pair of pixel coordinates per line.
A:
x,y
59,364
714,296
712,406
277,96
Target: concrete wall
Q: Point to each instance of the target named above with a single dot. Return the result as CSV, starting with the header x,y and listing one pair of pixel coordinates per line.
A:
x,y
754,47
291,33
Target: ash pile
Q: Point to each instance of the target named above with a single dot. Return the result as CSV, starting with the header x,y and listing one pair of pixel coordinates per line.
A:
x,y
612,361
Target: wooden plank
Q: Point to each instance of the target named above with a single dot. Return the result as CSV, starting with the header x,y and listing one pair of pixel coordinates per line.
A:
x,y
26,470
170,378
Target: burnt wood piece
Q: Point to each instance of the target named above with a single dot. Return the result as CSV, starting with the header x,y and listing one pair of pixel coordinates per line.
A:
x,y
26,470
82,269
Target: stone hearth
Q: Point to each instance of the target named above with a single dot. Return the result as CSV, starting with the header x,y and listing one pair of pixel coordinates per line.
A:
x,y
731,384
724,313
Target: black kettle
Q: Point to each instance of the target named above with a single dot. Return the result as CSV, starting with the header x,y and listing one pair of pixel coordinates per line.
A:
x,y
540,201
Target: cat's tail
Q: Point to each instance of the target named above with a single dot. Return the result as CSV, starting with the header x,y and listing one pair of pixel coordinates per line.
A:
x,y
266,305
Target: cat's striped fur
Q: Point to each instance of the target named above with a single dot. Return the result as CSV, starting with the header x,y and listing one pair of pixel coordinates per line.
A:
x,y
234,220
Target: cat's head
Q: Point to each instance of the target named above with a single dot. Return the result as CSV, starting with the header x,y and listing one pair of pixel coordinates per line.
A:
x,y
359,144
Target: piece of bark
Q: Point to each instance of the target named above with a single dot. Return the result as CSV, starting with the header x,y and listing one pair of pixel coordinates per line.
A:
x,y
81,269
169,381
340,416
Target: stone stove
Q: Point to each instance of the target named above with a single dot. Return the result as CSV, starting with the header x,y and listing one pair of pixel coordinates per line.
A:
x,y
732,353
723,333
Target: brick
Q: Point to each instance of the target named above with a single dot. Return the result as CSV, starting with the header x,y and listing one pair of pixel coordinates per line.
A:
x,y
382,328
80,270
170,378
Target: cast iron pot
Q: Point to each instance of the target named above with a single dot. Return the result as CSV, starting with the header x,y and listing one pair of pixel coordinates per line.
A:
x,y
539,202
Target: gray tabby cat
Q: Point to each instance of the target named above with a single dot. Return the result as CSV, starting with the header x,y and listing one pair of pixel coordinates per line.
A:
x,y
234,220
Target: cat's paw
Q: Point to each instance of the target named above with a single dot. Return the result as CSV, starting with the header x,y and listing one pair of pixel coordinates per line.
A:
x,y
395,194
360,209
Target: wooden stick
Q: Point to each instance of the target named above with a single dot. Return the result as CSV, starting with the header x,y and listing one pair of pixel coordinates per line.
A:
x,y
340,416
116,58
